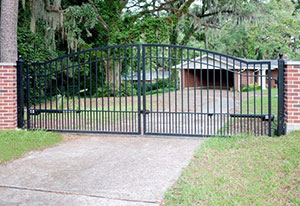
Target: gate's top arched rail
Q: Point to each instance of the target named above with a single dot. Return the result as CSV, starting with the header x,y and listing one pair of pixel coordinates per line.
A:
x,y
245,61
139,46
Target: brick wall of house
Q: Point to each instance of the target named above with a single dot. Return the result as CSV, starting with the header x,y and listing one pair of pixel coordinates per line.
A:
x,y
189,78
274,75
8,96
292,95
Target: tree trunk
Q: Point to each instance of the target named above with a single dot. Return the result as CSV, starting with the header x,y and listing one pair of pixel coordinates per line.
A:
x,y
173,40
112,74
8,38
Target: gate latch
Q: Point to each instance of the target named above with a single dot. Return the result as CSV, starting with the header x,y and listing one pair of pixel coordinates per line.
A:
x,y
145,112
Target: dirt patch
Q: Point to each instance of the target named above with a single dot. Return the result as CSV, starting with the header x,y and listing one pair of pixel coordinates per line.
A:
x,y
67,137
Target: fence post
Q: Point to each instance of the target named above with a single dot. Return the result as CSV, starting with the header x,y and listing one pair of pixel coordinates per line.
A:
x,y
281,117
20,92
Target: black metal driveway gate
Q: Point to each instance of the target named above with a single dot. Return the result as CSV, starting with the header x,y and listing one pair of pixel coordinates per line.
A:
x,y
149,89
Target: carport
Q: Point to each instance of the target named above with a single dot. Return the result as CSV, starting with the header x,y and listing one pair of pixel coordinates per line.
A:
x,y
207,71
213,78
214,71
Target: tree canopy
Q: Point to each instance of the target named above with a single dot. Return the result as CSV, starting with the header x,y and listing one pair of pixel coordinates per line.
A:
x,y
256,29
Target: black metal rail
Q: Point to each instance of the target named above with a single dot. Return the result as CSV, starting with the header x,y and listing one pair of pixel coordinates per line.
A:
x,y
48,111
263,117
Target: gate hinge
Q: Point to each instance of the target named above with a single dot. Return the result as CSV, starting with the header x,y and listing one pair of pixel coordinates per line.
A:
x,y
144,112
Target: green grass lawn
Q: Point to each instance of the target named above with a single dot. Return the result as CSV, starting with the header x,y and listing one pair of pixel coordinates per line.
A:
x,y
14,144
241,171
261,103
257,105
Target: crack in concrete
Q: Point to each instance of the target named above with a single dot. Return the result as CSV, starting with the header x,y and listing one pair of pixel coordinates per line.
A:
x,y
77,194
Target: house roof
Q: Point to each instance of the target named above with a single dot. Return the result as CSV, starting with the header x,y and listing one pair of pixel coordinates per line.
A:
x,y
159,74
218,61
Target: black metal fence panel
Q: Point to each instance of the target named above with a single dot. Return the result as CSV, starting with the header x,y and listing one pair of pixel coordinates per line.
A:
x,y
152,89
204,93
85,92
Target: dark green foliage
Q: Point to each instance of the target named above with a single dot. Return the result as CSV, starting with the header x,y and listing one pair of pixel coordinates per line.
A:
x,y
129,89
266,29
126,89
158,86
79,25
32,47
160,91
248,29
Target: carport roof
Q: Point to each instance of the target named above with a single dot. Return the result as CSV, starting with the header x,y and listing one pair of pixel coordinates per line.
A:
x,y
238,62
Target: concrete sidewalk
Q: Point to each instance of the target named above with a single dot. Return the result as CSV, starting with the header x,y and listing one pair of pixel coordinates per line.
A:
x,y
97,170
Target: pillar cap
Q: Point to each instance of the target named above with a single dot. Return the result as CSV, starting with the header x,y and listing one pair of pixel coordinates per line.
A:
x,y
7,64
292,63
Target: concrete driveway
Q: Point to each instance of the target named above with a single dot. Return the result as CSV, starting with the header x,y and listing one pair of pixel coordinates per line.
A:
x,y
97,170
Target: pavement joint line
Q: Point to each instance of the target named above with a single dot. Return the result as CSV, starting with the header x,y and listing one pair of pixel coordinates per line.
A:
x,y
77,194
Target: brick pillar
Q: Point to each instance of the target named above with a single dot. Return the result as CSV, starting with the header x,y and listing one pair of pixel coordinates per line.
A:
x,y
292,95
8,96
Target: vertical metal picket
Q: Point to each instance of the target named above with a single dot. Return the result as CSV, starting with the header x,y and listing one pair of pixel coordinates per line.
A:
x,y
139,88
28,95
269,101
20,93
144,88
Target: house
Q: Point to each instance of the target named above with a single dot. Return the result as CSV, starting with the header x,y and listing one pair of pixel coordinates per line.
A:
x,y
209,69
149,76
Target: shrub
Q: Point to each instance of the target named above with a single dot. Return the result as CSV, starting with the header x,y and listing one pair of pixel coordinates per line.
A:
x,y
251,88
159,84
111,91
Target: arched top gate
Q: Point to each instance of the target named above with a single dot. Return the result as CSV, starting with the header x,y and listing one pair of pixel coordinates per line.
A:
x,y
151,89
